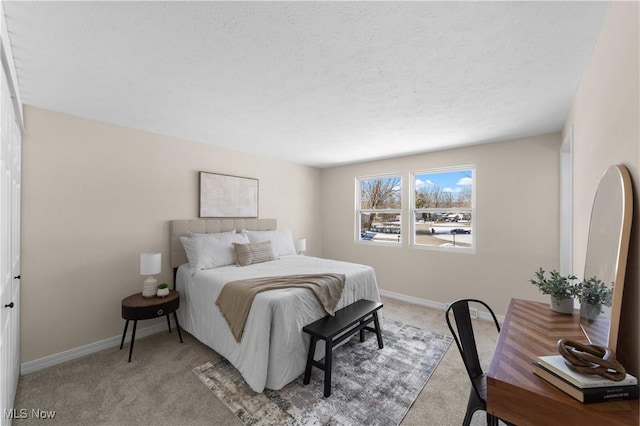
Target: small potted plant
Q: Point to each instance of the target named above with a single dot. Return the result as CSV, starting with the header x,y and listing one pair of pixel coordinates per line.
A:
x,y
560,288
593,294
163,290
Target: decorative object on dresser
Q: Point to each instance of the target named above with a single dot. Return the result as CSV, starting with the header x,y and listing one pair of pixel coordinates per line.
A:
x,y
136,307
558,366
150,264
561,289
372,386
228,196
591,359
589,373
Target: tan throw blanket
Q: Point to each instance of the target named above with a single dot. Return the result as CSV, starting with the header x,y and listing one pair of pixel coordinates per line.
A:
x,y
236,297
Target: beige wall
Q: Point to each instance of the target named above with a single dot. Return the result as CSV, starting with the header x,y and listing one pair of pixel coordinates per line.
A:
x,y
96,195
517,218
605,119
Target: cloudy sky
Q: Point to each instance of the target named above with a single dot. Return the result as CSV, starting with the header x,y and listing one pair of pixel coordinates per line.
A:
x,y
449,181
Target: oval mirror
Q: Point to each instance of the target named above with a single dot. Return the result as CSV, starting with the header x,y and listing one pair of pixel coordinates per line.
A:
x,y
606,260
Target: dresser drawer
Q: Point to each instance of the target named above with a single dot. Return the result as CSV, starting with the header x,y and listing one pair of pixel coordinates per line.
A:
x,y
150,308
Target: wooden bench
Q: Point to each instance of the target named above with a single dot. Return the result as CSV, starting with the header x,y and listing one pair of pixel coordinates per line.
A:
x,y
334,329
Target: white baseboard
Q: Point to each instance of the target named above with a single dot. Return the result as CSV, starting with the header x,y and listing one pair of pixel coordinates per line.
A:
x,y
431,304
414,300
71,354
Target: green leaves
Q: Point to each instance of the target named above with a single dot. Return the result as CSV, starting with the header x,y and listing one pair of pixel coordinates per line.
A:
x,y
557,286
594,292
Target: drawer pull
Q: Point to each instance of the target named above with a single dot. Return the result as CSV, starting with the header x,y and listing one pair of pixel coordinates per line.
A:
x,y
160,312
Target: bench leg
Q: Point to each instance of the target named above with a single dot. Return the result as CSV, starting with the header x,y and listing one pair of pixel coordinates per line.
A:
x,y
328,352
361,331
312,350
378,333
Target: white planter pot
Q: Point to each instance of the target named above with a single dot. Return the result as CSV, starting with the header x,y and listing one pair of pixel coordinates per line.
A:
x,y
564,306
589,311
162,292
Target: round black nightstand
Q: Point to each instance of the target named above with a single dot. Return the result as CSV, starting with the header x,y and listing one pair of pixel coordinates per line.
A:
x,y
136,307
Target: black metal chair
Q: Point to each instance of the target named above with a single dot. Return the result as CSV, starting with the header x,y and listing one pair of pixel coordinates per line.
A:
x,y
466,342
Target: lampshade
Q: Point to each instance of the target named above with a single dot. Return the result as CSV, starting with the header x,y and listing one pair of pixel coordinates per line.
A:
x,y
301,245
150,263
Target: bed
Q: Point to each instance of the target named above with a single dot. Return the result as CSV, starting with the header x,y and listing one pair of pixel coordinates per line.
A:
x,y
273,348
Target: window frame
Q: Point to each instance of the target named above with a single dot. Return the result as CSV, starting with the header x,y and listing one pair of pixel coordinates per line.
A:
x,y
413,211
359,210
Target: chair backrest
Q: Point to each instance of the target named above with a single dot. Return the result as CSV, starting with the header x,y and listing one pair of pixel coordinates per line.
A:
x,y
464,336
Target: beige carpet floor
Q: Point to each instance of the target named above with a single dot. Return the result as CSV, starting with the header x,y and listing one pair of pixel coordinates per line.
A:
x,y
158,387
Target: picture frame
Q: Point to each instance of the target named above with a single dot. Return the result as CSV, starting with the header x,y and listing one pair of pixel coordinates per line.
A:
x,y
228,196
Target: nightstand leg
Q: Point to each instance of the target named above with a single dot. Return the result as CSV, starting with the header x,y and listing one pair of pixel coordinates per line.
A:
x,y
124,333
169,323
133,338
175,317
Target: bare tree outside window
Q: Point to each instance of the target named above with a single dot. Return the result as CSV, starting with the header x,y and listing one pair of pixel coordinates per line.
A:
x,y
380,208
380,193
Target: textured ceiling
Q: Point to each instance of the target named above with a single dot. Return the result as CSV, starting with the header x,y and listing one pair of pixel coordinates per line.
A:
x,y
316,83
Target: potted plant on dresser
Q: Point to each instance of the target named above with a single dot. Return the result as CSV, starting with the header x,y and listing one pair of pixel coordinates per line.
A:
x,y
593,295
561,289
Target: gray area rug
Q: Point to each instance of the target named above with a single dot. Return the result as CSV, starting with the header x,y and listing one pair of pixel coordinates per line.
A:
x,y
370,386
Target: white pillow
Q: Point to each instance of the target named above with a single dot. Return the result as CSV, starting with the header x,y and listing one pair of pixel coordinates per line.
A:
x,y
281,240
212,250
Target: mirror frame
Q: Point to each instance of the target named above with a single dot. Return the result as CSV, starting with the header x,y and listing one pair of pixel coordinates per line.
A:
x,y
592,329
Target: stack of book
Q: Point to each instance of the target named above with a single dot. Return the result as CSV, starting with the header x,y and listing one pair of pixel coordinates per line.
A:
x,y
585,388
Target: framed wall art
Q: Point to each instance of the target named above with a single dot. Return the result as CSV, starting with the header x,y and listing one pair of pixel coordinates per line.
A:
x,y
228,196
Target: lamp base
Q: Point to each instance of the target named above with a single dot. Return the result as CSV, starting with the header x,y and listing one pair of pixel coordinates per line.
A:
x,y
149,287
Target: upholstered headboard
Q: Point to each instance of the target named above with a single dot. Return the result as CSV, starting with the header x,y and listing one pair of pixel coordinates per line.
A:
x,y
179,228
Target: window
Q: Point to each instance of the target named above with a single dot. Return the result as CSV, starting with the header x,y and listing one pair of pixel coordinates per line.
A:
x,y
379,209
443,209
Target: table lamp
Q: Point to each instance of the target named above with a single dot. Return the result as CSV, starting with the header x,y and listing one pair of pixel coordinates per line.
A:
x,y
301,245
150,264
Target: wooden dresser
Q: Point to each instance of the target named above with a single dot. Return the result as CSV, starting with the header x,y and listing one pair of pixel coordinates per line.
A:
x,y
517,395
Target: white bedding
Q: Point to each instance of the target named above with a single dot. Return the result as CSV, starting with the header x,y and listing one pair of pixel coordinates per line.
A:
x,y
273,349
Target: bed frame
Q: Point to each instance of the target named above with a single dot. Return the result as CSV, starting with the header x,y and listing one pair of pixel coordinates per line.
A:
x,y
181,228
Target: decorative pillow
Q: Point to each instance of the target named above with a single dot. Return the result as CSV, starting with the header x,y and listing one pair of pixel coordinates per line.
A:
x,y
281,240
247,254
211,250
